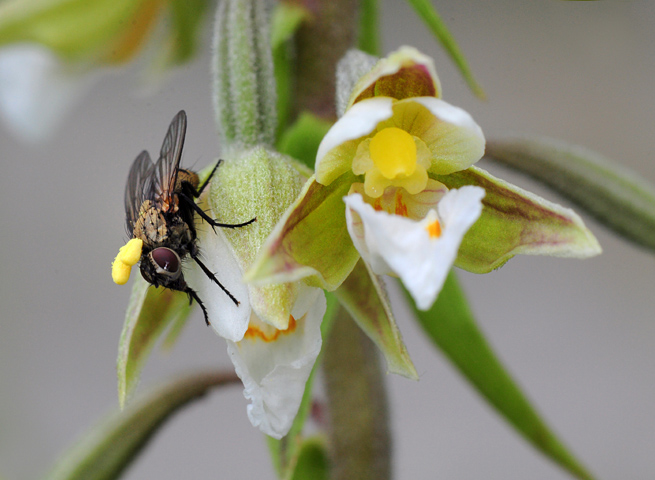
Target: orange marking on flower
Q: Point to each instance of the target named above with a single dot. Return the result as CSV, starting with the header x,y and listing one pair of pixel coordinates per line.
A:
x,y
434,229
254,332
377,204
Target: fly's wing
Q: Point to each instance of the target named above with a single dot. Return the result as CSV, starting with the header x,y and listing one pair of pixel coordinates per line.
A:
x,y
137,188
165,170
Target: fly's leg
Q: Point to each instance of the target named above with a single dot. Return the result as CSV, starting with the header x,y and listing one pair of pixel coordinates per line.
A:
x,y
184,197
213,278
197,193
188,193
194,296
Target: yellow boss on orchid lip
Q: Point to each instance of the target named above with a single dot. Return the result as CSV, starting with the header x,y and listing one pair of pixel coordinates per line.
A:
x,y
394,160
393,152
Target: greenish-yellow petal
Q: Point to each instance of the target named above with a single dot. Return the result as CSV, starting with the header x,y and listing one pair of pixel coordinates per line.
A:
x,y
454,139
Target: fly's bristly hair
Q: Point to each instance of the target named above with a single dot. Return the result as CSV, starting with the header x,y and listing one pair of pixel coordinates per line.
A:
x,y
159,210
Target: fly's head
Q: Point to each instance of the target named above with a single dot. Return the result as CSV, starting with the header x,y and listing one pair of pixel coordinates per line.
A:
x,y
162,267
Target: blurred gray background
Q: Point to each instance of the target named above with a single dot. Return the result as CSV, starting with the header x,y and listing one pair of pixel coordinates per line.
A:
x,y
577,335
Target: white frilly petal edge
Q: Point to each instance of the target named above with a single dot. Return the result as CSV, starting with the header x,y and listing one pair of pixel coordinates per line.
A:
x,y
227,319
274,373
399,245
37,90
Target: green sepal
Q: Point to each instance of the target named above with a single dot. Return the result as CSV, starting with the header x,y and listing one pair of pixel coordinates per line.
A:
x,y
286,19
310,240
177,324
313,462
451,326
244,83
364,296
425,9
77,29
301,140
111,446
515,221
256,183
286,451
615,196
149,311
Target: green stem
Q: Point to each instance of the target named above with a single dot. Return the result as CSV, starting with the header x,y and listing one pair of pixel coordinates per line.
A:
x,y
360,441
320,42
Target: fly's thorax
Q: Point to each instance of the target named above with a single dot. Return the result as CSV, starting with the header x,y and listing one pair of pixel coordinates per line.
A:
x,y
179,235
186,176
151,225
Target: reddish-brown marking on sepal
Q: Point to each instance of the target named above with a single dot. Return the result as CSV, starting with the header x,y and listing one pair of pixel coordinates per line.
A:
x,y
411,81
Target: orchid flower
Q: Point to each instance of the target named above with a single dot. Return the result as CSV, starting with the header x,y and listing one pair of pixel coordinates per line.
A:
x,y
273,335
402,159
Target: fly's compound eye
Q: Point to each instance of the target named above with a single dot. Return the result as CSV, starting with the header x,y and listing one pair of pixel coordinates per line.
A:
x,y
166,262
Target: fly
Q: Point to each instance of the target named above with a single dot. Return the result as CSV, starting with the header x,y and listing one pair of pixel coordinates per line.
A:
x,y
160,207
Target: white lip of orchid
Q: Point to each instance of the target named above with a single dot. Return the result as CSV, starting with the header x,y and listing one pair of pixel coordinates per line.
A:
x,y
274,369
420,252
227,319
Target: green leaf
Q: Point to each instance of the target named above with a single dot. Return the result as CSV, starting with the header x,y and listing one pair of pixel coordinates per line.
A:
x,y
369,27
286,451
451,326
310,240
109,448
615,196
301,140
313,462
286,19
149,312
186,21
515,221
364,296
429,14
